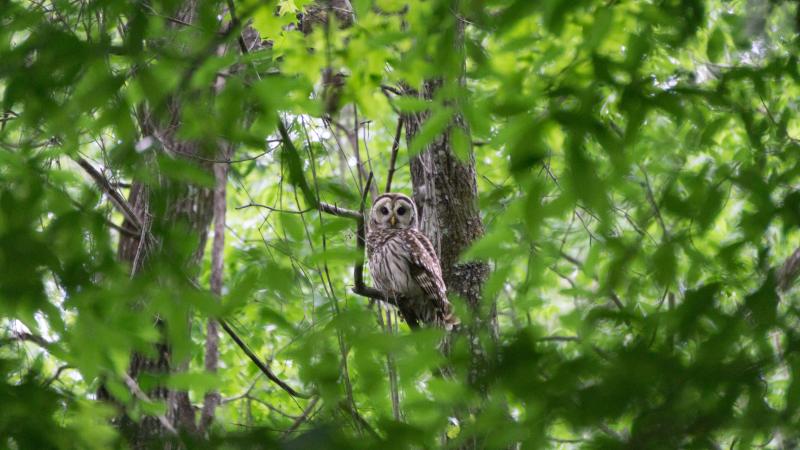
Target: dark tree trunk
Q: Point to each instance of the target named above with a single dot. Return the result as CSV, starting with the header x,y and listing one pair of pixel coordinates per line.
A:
x,y
166,208
445,191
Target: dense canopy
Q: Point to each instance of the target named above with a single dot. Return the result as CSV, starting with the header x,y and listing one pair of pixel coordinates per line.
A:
x,y
612,188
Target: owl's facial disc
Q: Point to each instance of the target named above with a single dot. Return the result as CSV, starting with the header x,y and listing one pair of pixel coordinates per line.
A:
x,y
393,210
381,212
403,213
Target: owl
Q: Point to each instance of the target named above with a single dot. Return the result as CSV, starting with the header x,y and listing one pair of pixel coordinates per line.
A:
x,y
403,263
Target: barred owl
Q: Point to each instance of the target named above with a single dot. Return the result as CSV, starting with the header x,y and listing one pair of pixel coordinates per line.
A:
x,y
403,263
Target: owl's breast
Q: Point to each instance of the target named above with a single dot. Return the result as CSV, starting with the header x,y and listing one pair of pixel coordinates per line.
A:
x,y
390,269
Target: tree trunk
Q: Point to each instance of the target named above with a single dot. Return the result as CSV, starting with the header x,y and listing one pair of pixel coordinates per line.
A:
x,y
212,399
446,193
163,210
167,208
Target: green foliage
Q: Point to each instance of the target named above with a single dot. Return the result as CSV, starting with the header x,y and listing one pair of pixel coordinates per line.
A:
x,y
637,164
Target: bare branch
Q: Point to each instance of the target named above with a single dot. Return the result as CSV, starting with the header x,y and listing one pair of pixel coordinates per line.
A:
x,y
393,160
302,418
116,198
571,259
358,267
224,160
285,211
57,374
137,391
652,199
337,211
361,421
245,394
324,207
24,336
559,339
122,229
257,361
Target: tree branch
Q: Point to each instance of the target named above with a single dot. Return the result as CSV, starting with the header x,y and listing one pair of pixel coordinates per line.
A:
x,y
302,418
57,374
26,337
324,207
116,198
393,160
361,421
257,361
337,211
224,160
358,267
137,391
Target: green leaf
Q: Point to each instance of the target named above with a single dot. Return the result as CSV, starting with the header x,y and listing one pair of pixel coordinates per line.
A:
x,y
199,381
436,124
715,47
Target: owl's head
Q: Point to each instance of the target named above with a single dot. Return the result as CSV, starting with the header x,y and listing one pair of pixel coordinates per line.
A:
x,y
393,210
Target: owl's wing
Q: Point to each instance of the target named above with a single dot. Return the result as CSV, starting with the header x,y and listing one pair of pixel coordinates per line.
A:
x,y
427,272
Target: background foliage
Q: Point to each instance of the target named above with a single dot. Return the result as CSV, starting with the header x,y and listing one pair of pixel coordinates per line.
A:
x,y
637,167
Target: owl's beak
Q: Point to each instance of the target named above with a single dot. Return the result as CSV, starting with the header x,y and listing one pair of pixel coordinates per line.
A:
x,y
393,220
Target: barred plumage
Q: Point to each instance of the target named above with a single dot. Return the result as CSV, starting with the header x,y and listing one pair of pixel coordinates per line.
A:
x,y
403,263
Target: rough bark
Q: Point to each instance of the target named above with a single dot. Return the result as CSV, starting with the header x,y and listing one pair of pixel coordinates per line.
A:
x,y
165,206
178,205
445,191
212,399
788,272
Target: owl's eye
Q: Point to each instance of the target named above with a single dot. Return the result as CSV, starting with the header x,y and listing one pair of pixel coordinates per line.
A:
x,y
401,210
384,210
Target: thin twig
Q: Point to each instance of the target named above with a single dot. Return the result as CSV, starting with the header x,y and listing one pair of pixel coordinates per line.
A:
x,y
324,207
57,374
137,391
116,198
615,299
257,361
337,211
284,211
392,89
245,394
651,198
303,417
358,267
393,160
358,418
27,337
225,160
559,339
